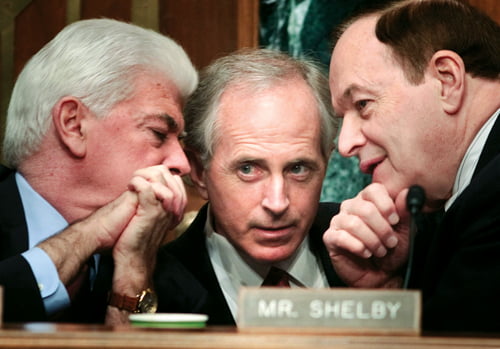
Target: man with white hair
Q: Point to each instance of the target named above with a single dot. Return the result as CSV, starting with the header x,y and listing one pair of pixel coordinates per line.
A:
x,y
92,141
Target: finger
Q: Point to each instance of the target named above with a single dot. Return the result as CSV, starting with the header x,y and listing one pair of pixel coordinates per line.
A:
x,y
175,201
168,188
364,220
403,227
156,173
181,197
369,231
379,196
339,241
401,205
148,198
155,181
172,194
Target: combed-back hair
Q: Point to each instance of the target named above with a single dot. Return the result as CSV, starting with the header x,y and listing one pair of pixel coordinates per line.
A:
x,y
416,29
95,60
252,70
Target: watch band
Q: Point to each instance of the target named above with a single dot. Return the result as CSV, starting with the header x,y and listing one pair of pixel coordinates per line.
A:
x,y
124,302
145,302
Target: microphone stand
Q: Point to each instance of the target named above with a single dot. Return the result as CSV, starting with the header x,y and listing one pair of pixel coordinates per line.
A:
x,y
414,202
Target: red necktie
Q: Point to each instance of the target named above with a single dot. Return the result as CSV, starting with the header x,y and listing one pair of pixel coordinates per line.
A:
x,y
277,278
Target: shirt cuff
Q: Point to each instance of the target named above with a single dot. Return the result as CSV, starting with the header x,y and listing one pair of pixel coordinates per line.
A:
x,y
52,290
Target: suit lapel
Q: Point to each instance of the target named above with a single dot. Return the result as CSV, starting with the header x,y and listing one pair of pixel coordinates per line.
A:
x,y
198,262
318,228
13,229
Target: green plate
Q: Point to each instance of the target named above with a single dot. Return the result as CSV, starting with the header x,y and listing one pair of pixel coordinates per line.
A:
x,y
169,320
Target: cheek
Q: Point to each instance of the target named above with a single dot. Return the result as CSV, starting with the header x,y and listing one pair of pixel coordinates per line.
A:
x,y
305,195
231,202
234,208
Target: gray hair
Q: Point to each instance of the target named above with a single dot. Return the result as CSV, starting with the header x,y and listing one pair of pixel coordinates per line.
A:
x,y
95,60
253,70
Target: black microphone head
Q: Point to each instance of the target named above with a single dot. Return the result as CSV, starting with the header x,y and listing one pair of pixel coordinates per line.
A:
x,y
415,199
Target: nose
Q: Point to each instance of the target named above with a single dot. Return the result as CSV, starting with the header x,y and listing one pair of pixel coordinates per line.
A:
x,y
176,159
275,196
351,138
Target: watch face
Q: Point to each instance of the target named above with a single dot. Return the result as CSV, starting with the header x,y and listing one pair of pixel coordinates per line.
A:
x,y
148,302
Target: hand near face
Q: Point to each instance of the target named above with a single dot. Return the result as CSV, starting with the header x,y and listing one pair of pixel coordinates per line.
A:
x,y
71,248
161,203
368,239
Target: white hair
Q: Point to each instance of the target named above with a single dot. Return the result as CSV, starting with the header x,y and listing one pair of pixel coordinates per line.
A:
x,y
95,60
252,70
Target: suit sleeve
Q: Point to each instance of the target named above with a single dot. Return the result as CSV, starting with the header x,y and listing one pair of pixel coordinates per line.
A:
x,y
462,282
21,301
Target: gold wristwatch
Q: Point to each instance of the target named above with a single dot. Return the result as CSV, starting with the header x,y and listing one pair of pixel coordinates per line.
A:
x,y
145,302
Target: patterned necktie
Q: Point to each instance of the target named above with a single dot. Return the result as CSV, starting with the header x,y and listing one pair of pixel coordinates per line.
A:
x,y
276,278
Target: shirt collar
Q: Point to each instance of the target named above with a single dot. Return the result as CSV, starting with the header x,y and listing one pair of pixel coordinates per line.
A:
x,y
243,272
470,160
42,219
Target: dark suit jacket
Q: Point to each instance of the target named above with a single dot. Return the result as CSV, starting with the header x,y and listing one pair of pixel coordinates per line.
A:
x,y
185,279
22,300
458,265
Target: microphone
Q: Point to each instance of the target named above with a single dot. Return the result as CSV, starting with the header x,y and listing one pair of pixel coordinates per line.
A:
x,y
415,199
414,202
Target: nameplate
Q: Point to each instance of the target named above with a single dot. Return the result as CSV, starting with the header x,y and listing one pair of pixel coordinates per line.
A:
x,y
343,310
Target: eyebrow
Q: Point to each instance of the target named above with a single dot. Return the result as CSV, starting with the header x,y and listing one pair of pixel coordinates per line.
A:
x,y
173,126
171,123
346,95
262,162
306,161
349,90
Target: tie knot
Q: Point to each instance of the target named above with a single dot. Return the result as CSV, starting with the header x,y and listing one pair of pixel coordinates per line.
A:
x,y
277,278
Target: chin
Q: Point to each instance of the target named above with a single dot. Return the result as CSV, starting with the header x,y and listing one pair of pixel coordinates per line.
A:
x,y
272,255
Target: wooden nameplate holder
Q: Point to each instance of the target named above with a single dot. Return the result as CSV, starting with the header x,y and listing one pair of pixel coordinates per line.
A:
x,y
342,310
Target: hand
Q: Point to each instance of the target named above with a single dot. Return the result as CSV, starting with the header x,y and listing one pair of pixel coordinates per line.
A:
x,y
161,203
162,200
368,239
71,248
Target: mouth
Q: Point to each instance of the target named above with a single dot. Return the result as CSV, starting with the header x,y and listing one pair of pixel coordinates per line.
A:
x,y
273,229
369,166
274,232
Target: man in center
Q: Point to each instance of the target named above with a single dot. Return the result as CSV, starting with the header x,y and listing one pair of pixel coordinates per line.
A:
x,y
260,131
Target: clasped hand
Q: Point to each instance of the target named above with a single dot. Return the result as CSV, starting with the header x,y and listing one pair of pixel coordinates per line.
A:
x,y
161,200
368,239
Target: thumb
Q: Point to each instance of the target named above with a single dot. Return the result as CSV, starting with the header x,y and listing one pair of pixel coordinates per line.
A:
x,y
401,207
403,227
117,214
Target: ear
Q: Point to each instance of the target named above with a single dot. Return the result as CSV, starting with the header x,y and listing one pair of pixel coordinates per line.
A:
x,y
449,69
69,116
197,174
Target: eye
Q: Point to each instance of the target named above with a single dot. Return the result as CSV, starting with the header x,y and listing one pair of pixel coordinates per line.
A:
x,y
159,135
298,169
182,136
361,104
246,169
249,171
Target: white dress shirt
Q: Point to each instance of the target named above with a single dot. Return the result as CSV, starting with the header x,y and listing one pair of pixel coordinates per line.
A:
x,y
470,160
43,221
234,270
